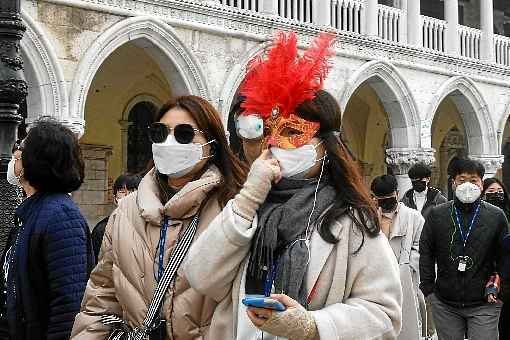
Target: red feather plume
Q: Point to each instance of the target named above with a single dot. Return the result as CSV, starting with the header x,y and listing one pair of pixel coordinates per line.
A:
x,y
284,79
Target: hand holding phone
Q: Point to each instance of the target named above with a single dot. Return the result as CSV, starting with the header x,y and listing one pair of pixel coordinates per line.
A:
x,y
262,301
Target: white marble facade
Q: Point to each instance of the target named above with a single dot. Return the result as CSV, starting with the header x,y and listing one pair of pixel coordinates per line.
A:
x,y
204,46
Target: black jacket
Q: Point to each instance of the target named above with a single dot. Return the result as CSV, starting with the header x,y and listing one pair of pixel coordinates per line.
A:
x,y
48,271
97,236
441,243
434,198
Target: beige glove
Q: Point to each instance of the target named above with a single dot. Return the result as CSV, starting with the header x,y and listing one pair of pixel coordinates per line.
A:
x,y
264,171
295,323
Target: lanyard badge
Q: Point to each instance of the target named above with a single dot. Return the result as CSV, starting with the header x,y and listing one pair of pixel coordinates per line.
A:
x,y
463,260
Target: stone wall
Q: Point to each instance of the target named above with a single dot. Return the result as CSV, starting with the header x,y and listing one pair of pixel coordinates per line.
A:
x,y
93,197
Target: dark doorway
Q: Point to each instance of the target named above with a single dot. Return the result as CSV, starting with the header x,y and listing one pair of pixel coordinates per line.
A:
x,y
139,151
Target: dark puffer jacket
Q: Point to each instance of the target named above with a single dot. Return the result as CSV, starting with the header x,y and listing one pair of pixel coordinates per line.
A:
x,y
51,259
434,198
441,243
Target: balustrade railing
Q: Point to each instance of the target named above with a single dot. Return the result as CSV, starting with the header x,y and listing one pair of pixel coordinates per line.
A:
x,y
300,10
502,49
351,16
251,5
388,20
469,42
433,33
346,15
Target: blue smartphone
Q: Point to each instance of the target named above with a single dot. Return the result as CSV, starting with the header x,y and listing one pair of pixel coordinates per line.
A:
x,y
262,301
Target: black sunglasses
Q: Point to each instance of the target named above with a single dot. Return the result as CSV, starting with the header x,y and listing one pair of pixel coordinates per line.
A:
x,y
183,133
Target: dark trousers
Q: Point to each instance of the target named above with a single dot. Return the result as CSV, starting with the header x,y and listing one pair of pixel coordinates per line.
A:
x,y
452,323
504,322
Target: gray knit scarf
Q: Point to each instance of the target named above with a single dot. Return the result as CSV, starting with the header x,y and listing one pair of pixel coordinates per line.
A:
x,y
283,219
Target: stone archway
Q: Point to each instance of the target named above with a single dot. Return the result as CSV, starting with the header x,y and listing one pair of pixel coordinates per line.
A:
x,y
154,36
380,116
47,95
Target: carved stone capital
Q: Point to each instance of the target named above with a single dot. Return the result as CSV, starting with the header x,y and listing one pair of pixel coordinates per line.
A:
x,y
401,159
491,163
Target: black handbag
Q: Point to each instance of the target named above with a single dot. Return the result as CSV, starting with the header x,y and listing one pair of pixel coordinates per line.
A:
x,y
152,328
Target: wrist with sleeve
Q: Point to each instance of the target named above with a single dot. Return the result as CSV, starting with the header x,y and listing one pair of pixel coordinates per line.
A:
x,y
295,323
254,191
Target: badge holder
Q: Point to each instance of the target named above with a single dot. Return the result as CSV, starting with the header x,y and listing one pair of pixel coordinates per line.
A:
x,y
462,264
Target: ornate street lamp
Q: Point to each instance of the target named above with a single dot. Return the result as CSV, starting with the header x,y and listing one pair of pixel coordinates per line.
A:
x,y
13,90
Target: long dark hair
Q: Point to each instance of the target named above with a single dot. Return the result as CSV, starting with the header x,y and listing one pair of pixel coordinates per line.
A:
x,y
209,121
353,197
490,181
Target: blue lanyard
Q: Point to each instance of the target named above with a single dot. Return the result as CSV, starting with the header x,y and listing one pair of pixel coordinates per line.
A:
x,y
162,241
270,276
465,238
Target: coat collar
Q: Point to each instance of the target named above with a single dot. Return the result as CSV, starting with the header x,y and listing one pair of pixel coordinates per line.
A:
x,y
183,204
399,223
321,251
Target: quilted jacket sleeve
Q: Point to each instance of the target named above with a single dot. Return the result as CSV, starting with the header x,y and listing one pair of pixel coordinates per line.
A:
x,y
66,261
99,296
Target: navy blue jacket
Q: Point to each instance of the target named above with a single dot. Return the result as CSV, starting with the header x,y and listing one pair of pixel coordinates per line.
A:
x,y
51,259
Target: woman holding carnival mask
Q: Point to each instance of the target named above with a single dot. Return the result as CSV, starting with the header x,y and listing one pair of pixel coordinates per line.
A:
x,y
303,225
195,174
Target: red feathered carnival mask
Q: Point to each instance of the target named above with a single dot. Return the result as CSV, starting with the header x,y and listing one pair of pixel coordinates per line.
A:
x,y
276,85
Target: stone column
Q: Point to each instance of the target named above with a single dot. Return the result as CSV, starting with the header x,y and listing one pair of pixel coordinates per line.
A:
x,y
487,27
451,15
321,11
13,90
124,127
401,159
269,7
413,22
371,17
491,163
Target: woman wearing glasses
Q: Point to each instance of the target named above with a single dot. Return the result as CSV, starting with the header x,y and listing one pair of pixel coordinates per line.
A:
x,y
298,253
195,174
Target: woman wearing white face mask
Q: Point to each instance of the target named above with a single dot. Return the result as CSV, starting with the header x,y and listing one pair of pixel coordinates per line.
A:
x,y
302,226
195,174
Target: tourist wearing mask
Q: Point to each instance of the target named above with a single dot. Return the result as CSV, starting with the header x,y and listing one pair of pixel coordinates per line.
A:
x,y
48,255
302,230
463,238
249,131
422,196
402,227
495,193
195,174
123,186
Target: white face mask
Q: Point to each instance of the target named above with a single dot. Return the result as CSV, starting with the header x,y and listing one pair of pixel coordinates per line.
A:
x,y
11,174
176,160
294,162
467,192
250,126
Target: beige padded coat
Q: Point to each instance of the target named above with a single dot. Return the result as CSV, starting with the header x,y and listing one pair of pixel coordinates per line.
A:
x,y
124,279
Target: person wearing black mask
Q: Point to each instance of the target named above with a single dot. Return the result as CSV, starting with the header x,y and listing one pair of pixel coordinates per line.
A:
x,y
495,193
402,227
422,196
463,238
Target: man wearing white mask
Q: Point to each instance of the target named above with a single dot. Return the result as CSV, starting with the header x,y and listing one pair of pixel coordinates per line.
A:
x,y
463,238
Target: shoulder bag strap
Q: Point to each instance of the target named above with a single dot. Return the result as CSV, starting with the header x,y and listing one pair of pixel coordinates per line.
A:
x,y
174,262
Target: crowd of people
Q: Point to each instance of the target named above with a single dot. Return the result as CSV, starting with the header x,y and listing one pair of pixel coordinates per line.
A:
x,y
282,240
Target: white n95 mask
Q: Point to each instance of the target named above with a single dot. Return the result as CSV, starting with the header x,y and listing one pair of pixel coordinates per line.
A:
x,y
294,162
467,192
176,160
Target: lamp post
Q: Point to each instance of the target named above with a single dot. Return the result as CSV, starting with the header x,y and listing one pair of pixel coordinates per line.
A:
x,y
13,90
